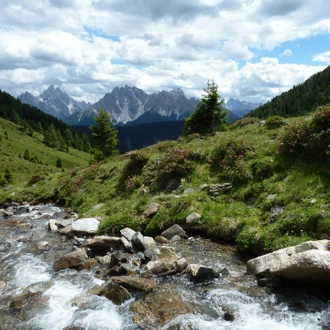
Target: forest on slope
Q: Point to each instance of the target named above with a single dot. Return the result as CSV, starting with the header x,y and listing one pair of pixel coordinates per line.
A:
x,y
299,100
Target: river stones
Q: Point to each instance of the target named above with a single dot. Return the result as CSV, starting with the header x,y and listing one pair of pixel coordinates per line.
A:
x,y
163,304
86,226
24,300
309,261
135,283
201,273
174,230
72,260
115,292
104,243
164,262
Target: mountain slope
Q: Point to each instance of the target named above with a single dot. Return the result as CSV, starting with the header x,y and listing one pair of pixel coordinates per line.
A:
x,y
299,100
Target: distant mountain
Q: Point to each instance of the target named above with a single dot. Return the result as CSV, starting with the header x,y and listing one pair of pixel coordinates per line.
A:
x,y
55,102
132,105
240,108
127,106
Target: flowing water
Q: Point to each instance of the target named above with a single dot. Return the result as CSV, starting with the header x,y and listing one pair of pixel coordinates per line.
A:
x,y
60,300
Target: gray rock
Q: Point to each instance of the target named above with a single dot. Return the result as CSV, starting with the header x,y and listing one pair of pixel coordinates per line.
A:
x,y
127,233
109,259
105,243
173,231
165,261
193,218
203,187
149,243
138,241
136,283
309,261
86,225
201,273
217,189
72,260
151,210
188,191
115,293
52,224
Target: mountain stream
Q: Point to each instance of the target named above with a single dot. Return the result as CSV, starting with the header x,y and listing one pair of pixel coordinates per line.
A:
x,y
34,296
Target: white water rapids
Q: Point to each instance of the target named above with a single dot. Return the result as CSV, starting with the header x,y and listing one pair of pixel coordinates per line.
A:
x,y
66,304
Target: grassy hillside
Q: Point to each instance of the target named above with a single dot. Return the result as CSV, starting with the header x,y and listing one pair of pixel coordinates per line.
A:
x,y
278,171
42,160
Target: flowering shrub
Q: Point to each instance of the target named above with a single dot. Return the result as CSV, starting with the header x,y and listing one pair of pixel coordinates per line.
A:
x,y
132,183
137,160
177,163
309,139
244,122
230,158
274,122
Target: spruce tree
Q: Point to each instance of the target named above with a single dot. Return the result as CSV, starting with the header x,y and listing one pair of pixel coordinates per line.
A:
x,y
209,115
104,133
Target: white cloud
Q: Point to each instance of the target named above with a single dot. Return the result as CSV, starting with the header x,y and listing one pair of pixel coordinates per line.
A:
x,y
287,52
90,47
323,57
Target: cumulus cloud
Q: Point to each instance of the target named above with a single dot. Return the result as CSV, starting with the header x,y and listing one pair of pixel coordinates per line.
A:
x,y
90,47
323,57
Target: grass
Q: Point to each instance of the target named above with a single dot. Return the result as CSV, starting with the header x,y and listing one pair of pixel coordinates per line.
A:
x,y
117,191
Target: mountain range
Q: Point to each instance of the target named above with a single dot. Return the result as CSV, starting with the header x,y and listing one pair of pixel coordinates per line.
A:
x,y
127,106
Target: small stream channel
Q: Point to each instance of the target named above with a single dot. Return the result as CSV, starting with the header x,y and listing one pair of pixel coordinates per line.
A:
x,y
60,300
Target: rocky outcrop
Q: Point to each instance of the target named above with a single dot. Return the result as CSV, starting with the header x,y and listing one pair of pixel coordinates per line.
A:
x,y
309,261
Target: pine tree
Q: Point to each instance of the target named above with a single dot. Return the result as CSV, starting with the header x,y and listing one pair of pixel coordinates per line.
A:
x,y
209,115
103,133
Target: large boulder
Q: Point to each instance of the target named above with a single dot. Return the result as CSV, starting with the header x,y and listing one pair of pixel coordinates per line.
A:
x,y
86,226
309,261
166,261
174,231
74,259
104,243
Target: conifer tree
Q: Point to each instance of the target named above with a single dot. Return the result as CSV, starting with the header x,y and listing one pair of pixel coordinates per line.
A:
x,y
209,115
104,133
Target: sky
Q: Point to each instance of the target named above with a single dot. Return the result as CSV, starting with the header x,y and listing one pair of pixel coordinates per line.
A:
x,y
252,49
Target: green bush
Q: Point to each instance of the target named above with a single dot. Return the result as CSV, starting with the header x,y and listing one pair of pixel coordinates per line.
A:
x,y
137,160
229,160
176,164
309,139
274,122
244,122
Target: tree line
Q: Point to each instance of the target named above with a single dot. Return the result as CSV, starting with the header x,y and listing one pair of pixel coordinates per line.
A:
x,y
56,133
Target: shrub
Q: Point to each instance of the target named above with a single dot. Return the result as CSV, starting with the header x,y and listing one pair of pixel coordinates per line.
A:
x,y
137,160
132,183
274,122
309,139
176,164
229,158
244,122
296,138
34,179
